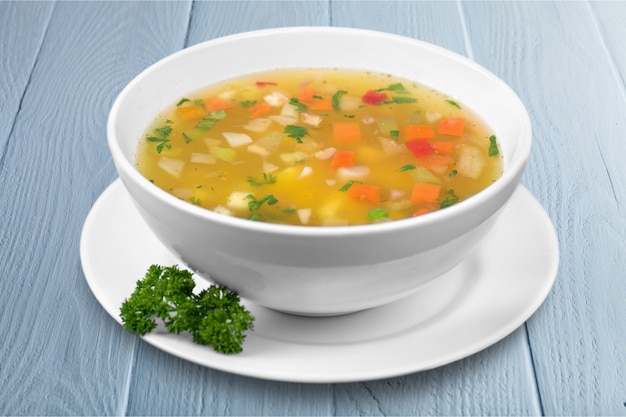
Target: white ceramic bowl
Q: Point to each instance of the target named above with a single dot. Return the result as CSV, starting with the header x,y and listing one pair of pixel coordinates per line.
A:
x,y
316,270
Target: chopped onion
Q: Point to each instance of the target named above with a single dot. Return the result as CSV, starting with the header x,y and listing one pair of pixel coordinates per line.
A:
x,y
172,166
258,149
210,142
183,193
203,158
355,171
276,99
291,158
431,117
304,215
311,119
396,194
259,124
235,139
223,210
368,120
349,103
269,167
331,182
289,110
284,120
325,153
307,170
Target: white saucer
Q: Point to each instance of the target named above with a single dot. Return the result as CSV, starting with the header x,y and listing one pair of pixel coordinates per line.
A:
x,y
468,309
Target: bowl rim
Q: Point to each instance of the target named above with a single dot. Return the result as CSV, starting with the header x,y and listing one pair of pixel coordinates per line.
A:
x,y
510,173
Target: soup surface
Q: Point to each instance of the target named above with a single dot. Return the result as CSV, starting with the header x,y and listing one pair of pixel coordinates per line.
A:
x,y
320,147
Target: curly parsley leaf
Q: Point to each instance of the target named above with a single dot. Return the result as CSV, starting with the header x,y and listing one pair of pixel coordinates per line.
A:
x,y
296,132
214,317
493,146
161,138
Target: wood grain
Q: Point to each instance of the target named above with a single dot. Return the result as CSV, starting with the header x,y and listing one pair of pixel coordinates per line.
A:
x,y
62,65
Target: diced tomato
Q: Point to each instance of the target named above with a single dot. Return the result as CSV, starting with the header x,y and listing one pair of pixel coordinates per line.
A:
x,y
374,97
420,148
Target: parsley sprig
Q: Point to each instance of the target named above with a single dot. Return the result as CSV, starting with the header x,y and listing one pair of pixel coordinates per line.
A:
x,y
213,317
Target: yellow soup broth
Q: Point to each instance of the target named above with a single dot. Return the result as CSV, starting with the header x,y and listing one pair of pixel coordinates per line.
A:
x,y
320,147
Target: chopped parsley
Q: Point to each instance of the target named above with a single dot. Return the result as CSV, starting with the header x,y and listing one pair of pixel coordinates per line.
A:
x,y
453,103
450,200
182,101
161,138
453,173
296,132
493,146
209,121
395,134
296,103
255,204
336,100
406,167
399,100
396,88
347,185
267,179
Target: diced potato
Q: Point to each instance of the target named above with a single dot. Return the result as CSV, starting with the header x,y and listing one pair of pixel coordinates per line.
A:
x,y
421,174
223,210
349,103
236,139
283,120
276,99
202,158
325,154
260,124
353,172
292,158
172,166
258,149
304,215
238,200
311,119
471,161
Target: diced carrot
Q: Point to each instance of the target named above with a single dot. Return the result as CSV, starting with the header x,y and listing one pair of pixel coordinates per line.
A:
x,y
419,148
306,93
347,132
321,104
365,192
437,160
191,112
216,103
259,109
443,146
420,212
343,158
451,126
425,193
412,132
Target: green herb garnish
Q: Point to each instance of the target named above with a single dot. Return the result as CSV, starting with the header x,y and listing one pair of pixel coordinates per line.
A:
x,y
209,121
336,99
248,103
255,204
450,200
296,103
182,101
396,88
493,146
347,185
161,138
398,100
453,173
213,317
453,103
407,167
186,137
395,134
267,179
296,132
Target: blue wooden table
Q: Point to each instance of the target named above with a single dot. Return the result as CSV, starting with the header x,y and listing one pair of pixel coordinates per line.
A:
x,y
62,65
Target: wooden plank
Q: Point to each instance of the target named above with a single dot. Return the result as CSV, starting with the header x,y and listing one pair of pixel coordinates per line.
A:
x,y
22,27
61,353
577,106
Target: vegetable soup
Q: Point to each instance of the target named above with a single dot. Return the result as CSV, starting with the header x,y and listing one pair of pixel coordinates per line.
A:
x,y
320,147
